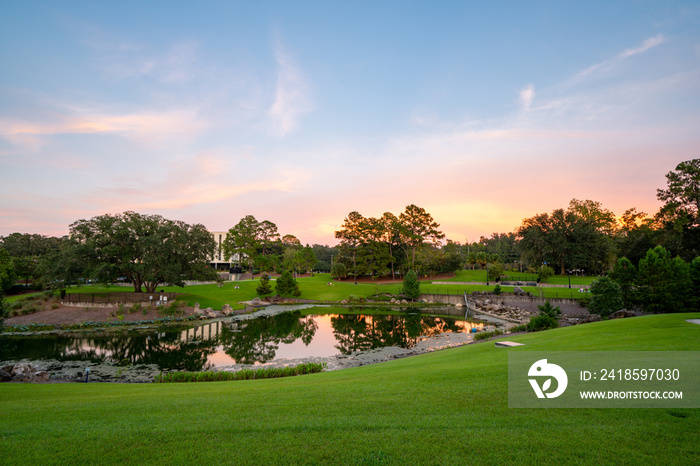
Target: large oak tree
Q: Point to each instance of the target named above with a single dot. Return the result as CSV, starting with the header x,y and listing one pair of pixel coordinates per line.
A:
x,y
148,250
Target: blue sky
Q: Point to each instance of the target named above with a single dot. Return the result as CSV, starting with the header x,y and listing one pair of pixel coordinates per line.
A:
x,y
483,113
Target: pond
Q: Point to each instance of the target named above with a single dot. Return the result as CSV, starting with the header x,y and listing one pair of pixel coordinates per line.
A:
x,y
288,335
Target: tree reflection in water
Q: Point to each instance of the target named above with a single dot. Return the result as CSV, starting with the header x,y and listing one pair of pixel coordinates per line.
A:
x,y
247,341
362,333
257,340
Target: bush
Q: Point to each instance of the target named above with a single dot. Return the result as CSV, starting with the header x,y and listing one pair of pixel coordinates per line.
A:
x,y
484,335
497,290
542,322
549,310
547,319
338,271
544,273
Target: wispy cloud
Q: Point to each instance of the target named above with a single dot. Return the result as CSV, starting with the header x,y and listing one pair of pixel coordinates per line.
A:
x,y
291,94
139,126
611,62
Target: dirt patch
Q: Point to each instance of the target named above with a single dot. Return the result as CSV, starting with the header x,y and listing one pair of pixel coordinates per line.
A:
x,y
73,315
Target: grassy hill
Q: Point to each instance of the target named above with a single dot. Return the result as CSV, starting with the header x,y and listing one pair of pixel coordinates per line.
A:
x,y
447,407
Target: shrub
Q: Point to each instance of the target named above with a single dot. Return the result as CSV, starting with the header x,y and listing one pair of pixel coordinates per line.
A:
x,y
264,288
484,335
497,290
135,308
411,285
547,319
338,271
544,273
549,310
542,322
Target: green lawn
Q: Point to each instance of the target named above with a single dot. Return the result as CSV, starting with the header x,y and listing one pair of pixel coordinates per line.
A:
x,y
446,407
480,276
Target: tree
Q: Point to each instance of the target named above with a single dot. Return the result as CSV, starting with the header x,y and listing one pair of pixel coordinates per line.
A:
x,y
241,240
624,273
573,238
392,233
266,234
146,249
418,227
606,297
411,285
286,285
680,215
495,271
683,192
350,236
636,235
663,283
264,288
307,258
338,271
7,271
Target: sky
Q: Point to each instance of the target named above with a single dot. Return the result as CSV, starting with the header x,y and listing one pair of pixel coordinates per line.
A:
x,y
300,112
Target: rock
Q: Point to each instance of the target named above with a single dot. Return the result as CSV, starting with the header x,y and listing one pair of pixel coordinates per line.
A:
x,y
622,314
196,307
458,305
256,301
393,300
518,291
227,310
487,301
198,312
22,369
211,314
5,376
41,376
591,318
403,301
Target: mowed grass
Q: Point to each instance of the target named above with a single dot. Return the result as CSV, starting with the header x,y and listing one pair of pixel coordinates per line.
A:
x,y
480,276
447,407
315,288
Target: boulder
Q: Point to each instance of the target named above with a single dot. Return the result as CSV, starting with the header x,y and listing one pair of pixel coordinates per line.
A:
x,y
458,305
622,314
196,307
227,310
5,376
518,291
198,312
211,314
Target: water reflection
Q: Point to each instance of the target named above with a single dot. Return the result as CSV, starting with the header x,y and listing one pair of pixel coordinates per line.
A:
x,y
286,335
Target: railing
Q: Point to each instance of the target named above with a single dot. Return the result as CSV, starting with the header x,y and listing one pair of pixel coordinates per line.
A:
x,y
116,297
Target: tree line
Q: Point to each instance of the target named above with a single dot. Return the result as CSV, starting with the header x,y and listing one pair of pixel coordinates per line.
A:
x,y
148,250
